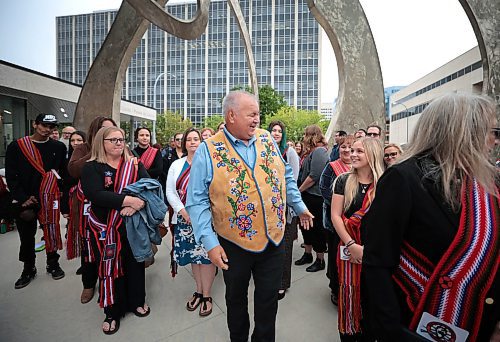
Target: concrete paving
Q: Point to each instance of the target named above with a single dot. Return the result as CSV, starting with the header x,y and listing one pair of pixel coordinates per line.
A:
x,y
50,310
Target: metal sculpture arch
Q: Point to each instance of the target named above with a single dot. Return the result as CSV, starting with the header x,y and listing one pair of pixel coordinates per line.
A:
x,y
361,97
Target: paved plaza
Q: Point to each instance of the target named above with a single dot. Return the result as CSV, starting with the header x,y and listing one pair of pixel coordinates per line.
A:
x,y
50,310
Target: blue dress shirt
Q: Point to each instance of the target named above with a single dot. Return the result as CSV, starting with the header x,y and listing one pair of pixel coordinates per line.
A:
x,y
198,202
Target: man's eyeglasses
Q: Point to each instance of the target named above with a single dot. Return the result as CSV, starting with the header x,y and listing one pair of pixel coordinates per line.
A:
x,y
115,140
372,134
390,155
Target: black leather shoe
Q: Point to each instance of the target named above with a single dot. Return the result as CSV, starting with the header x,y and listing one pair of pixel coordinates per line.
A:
x,y
307,258
281,295
56,272
317,266
26,277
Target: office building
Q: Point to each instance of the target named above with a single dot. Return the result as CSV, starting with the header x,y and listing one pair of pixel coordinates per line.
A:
x,y
191,77
464,73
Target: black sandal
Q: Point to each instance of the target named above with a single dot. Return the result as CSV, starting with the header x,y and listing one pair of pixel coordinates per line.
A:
x,y
204,306
110,320
197,298
140,314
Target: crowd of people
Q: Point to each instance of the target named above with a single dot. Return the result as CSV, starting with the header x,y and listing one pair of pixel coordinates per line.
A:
x,y
409,238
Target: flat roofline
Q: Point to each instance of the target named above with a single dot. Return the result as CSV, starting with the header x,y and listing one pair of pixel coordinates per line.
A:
x,y
16,66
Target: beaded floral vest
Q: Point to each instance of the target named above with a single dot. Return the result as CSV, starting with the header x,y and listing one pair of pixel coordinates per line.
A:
x,y
248,204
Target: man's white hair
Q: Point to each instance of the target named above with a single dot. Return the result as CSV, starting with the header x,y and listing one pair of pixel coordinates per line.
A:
x,y
230,101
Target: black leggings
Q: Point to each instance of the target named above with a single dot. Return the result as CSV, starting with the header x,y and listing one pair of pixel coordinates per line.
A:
x,y
315,236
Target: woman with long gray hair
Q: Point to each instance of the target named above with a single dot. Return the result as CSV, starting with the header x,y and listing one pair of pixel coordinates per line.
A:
x,y
432,240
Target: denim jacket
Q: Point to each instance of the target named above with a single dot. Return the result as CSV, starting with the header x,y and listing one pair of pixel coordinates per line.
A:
x,y
142,227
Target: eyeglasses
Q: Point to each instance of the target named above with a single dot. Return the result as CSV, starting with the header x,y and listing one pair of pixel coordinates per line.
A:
x,y
391,155
178,139
496,132
372,134
115,140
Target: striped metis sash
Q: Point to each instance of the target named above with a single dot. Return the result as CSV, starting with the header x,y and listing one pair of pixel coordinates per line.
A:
x,y
455,289
83,224
339,167
182,184
72,239
78,234
108,237
49,195
349,309
148,157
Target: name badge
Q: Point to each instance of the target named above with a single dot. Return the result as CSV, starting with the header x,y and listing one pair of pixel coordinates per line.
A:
x,y
102,235
86,209
436,329
344,253
55,205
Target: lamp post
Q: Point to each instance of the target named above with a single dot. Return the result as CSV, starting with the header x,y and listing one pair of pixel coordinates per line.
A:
x,y
407,111
153,138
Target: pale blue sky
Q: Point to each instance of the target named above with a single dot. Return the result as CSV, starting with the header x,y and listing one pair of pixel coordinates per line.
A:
x,y
413,37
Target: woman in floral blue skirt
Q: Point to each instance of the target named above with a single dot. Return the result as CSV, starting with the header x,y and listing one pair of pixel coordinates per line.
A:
x,y
186,250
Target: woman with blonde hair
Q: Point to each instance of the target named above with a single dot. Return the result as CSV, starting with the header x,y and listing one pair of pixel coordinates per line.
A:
x,y
353,194
391,153
432,247
122,279
310,173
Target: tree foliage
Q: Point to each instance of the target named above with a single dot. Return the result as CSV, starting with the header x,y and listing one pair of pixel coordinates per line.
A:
x,y
270,101
169,123
212,121
296,120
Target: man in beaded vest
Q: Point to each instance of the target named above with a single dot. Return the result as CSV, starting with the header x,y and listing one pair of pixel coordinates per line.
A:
x,y
240,185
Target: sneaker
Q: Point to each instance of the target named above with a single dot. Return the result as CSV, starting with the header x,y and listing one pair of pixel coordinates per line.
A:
x,y
26,277
40,246
56,272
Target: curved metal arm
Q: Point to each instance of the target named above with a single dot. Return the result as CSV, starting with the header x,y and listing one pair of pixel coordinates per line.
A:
x,y
186,29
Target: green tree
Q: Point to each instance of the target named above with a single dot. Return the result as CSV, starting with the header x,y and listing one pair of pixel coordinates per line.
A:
x,y
212,121
169,123
296,120
270,101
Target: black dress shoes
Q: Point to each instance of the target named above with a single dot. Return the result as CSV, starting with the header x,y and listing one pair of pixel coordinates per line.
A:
x,y
26,277
318,265
307,258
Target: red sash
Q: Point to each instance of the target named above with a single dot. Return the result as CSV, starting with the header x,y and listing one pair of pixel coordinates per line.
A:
x,y
349,309
110,266
78,239
339,167
181,185
455,289
148,157
49,194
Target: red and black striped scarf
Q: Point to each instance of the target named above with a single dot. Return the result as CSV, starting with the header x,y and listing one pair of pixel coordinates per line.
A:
x,y
148,157
78,240
110,266
49,194
455,289
349,309
339,167
181,186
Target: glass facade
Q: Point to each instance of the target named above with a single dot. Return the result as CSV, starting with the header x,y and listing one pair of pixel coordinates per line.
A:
x,y
192,76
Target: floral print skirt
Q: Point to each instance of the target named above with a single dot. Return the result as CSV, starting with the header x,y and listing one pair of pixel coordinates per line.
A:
x,y
186,250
